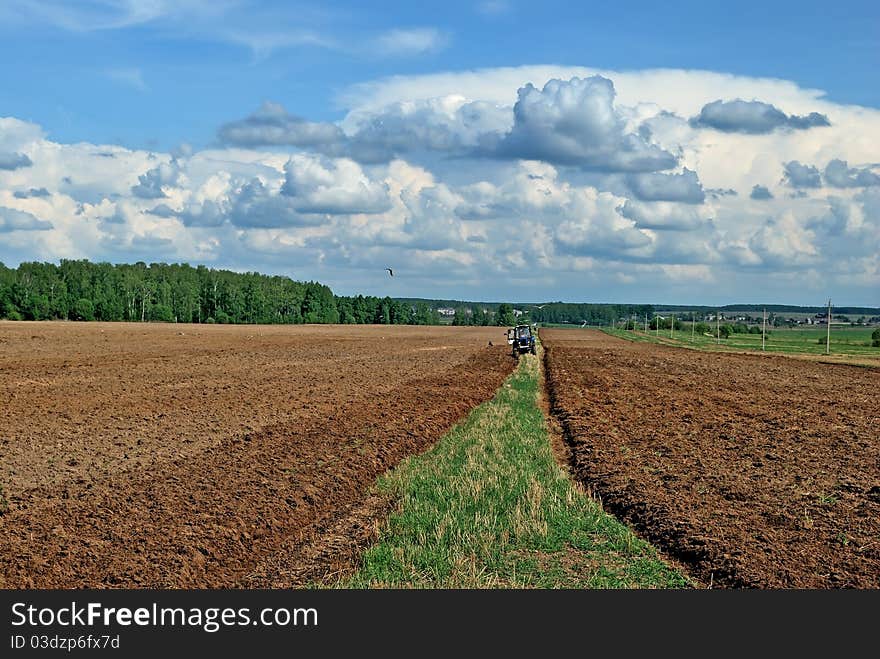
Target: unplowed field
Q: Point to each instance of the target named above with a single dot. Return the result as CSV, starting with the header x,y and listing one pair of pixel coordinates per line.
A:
x,y
188,456
753,471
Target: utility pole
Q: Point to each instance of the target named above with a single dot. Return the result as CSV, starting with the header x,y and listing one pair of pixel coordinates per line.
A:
x,y
646,323
828,335
717,327
672,327
764,332
693,326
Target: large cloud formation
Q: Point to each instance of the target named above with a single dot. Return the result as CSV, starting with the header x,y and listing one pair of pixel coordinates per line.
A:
x,y
662,216
684,187
567,122
761,192
253,205
32,192
552,182
271,125
333,188
799,175
16,220
150,184
10,161
839,175
446,124
575,122
753,117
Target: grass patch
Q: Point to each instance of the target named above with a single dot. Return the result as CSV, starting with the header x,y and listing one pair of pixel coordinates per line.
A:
x,y
848,342
489,507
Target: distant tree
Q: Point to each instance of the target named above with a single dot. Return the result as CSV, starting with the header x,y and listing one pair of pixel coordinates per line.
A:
x,y
83,309
145,291
37,308
346,311
401,313
319,305
382,315
505,315
362,310
161,313
461,318
875,338
423,314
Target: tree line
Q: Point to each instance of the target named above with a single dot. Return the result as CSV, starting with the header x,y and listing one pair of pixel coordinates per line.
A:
x,y
367,309
592,314
82,290
480,316
179,292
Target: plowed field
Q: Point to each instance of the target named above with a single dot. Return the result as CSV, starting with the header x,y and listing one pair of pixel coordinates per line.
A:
x,y
753,471
185,456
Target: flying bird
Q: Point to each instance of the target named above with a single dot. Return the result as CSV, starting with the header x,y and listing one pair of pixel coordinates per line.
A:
x,y
585,324
390,271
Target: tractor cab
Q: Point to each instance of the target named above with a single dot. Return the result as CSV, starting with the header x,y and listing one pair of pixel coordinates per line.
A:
x,y
521,339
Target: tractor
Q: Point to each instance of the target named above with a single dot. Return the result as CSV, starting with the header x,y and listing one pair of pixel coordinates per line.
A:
x,y
521,339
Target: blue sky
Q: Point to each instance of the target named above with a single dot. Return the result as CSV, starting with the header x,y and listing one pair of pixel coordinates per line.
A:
x,y
324,140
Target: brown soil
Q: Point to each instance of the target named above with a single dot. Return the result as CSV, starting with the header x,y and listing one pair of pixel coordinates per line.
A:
x,y
754,471
189,456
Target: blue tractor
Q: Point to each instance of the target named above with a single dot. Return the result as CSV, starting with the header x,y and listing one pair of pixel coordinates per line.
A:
x,y
521,339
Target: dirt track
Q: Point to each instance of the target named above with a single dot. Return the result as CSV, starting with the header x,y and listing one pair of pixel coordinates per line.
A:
x,y
185,456
755,471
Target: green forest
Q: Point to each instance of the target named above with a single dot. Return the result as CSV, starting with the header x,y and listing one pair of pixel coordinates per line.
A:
x,y
161,292
592,314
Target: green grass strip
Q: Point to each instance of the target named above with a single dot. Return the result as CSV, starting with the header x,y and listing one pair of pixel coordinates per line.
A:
x,y
845,342
489,507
